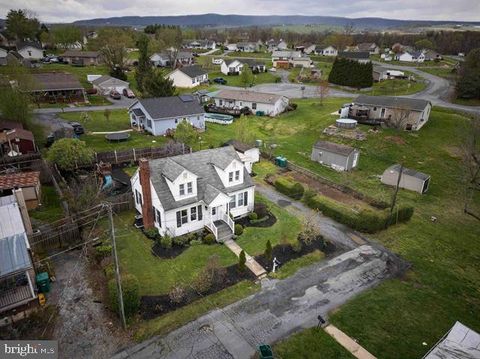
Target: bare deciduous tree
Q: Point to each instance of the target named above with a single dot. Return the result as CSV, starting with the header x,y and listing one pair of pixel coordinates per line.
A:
x,y
311,230
399,118
322,90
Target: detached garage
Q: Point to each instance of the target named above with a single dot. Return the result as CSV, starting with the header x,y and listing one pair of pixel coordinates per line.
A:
x,y
105,84
410,179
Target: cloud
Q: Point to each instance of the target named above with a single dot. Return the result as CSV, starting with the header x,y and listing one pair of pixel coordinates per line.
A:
x,y
70,10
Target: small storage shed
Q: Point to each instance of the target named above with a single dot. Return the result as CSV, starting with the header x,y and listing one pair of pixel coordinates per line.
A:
x,y
337,156
410,179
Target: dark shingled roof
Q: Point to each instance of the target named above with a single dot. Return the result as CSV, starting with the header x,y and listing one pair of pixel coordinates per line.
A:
x,y
360,55
202,164
333,147
193,71
166,107
49,81
411,104
408,172
81,54
239,146
21,44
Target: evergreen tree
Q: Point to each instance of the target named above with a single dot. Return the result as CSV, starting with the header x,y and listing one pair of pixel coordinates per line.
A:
x,y
242,259
268,251
468,83
157,85
144,68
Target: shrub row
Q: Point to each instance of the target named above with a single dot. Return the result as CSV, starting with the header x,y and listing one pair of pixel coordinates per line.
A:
x,y
365,220
289,188
131,295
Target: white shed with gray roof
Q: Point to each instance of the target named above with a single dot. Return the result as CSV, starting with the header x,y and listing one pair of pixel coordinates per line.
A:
x,y
337,156
157,115
410,179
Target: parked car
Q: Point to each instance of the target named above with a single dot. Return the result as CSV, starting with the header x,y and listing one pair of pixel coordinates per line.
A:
x,y
128,93
77,128
220,80
115,95
217,61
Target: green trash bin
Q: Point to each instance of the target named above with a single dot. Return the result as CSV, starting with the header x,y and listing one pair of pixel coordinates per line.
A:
x,y
265,351
43,282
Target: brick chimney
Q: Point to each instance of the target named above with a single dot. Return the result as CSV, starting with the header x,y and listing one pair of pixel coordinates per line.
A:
x,y
147,207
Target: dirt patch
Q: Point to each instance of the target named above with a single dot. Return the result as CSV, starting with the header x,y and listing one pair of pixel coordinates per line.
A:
x,y
326,190
155,305
395,139
285,253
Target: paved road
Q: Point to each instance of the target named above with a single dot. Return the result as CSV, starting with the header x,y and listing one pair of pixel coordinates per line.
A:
x,y
279,309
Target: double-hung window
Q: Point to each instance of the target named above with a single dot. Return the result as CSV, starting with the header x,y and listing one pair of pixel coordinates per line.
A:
x,y
158,219
138,197
240,200
190,187
233,201
182,217
200,213
193,213
237,175
230,177
182,189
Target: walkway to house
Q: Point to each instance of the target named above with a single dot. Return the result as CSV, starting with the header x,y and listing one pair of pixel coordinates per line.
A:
x,y
348,343
251,263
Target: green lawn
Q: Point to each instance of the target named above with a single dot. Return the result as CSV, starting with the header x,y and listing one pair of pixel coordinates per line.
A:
x,y
464,102
132,245
261,78
445,72
312,344
51,208
260,55
396,87
118,120
395,318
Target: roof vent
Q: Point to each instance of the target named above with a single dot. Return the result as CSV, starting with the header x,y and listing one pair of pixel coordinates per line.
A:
x,y
186,98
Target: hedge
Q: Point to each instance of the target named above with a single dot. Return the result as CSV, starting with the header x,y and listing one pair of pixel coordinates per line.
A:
x,y
131,296
366,220
351,73
289,188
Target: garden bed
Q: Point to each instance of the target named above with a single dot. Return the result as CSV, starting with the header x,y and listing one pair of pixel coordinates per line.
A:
x,y
285,252
156,305
167,253
264,222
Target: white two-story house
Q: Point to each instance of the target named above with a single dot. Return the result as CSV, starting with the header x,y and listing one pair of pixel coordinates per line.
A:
x,y
188,76
183,194
159,114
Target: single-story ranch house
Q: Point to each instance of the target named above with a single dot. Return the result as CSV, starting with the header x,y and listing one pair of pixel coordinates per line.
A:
x,y
159,114
186,193
287,59
106,83
83,58
411,113
56,87
410,179
337,156
235,67
267,103
188,76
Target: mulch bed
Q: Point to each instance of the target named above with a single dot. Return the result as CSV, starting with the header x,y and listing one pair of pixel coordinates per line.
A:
x,y
285,253
155,305
270,221
168,253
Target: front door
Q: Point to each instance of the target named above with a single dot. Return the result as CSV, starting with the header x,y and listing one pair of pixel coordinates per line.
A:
x,y
216,213
382,114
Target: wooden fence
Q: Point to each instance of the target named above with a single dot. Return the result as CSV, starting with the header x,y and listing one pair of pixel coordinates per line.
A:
x,y
134,154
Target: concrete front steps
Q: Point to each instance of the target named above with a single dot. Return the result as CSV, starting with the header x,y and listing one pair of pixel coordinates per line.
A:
x,y
224,231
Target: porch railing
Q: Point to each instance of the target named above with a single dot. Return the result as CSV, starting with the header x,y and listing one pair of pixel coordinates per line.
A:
x,y
226,218
211,226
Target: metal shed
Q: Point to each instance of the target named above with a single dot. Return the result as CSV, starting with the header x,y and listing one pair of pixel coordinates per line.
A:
x,y
410,179
337,156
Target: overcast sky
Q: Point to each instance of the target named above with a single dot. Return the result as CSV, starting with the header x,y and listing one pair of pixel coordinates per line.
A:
x,y
70,10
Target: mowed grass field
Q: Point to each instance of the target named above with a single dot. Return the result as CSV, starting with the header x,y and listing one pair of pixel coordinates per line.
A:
x,y
395,318
118,120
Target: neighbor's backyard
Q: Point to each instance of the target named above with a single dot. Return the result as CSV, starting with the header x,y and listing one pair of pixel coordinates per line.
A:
x,y
394,319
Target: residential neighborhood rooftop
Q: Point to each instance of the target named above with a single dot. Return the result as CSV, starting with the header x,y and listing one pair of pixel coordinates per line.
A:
x,y
200,163
19,180
358,55
163,107
49,81
192,71
412,104
333,147
239,146
249,96
79,53
408,172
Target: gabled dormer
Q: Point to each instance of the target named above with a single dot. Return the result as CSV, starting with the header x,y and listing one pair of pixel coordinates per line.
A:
x,y
231,174
181,182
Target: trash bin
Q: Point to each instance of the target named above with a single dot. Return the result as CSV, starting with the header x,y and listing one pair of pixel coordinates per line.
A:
x,y
265,351
43,282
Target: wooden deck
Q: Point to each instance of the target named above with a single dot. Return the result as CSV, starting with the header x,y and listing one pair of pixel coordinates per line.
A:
x,y
14,297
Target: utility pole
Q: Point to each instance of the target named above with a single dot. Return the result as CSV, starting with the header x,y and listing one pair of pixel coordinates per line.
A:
x,y
117,269
394,199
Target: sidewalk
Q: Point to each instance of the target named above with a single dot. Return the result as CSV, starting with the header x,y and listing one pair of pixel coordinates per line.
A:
x,y
251,263
348,343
